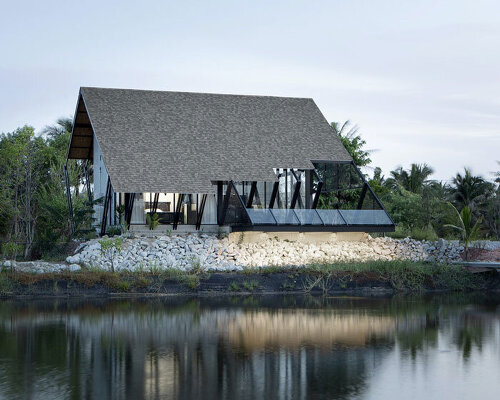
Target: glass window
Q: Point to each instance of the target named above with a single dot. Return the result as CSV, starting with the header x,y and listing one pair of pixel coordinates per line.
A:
x,y
308,217
331,217
261,216
366,217
284,216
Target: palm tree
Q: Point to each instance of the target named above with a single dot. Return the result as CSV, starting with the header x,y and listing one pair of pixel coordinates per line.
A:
x,y
352,141
61,127
468,190
468,231
413,180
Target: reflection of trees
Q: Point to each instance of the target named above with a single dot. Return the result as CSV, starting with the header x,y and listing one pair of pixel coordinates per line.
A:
x,y
469,334
243,347
423,333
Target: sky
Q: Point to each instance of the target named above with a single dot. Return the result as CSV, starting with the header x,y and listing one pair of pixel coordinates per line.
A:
x,y
419,78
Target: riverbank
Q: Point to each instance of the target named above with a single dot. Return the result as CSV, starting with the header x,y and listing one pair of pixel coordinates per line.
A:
x,y
223,254
361,277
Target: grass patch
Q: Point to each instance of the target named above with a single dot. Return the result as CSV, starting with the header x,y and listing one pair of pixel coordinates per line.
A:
x,y
399,275
402,275
251,285
5,283
270,269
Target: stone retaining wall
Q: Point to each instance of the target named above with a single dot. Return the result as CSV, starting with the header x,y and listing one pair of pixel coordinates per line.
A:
x,y
206,252
209,253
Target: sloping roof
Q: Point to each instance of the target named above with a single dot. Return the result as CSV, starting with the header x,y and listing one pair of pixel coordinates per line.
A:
x,y
155,141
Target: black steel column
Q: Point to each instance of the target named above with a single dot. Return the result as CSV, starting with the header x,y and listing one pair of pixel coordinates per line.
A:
x,y
200,211
251,195
178,211
309,187
362,196
107,201
274,193
220,202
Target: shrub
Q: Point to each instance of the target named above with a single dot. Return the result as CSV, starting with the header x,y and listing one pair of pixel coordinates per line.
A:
x,y
153,221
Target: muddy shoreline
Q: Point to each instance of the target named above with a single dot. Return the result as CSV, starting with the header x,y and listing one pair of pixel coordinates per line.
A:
x,y
232,283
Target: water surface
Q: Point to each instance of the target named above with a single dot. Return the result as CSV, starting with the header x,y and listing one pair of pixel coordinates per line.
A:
x,y
269,347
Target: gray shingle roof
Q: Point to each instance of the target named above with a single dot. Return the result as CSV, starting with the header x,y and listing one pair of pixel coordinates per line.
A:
x,y
155,141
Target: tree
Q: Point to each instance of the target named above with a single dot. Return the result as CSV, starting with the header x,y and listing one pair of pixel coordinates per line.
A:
x,y
467,229
413,180
470,190
377,183
353,142
33,204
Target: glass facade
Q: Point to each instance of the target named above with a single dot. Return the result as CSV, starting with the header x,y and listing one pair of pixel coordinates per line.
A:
x,y
332,195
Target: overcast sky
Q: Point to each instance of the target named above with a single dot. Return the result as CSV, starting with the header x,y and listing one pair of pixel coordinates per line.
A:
x,y
420,78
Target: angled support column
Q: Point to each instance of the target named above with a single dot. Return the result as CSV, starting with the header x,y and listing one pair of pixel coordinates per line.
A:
x,y
296,190
178,211
368,187
274,193
318,191
251,195
362,196
200,211
154,207
129,205
295,195
107,204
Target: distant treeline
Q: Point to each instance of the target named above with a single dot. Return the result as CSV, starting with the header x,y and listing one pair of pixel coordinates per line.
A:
x,y
420,206
34,218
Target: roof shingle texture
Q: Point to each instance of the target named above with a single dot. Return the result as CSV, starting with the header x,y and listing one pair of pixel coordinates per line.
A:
x,y
155,141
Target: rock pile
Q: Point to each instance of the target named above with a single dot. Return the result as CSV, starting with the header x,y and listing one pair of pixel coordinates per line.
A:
x,y
208,253
211,254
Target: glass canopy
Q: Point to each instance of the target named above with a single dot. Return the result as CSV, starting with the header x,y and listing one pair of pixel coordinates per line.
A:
x,y
333,195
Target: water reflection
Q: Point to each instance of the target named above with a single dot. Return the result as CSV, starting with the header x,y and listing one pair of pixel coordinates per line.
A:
x,y
288,347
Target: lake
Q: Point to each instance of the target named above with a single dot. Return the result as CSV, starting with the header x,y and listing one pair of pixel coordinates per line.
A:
x,y
252,347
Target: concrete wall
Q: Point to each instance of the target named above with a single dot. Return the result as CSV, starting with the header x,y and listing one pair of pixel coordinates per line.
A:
x,y
304,237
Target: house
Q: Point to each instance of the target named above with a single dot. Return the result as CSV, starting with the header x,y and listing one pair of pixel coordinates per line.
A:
x,y
197,160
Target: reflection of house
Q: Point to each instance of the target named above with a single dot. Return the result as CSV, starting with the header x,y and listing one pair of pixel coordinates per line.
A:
x,y
153,349
248,162
295,328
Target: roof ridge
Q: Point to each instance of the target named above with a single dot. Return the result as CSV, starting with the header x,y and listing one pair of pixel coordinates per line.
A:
x,y
197,93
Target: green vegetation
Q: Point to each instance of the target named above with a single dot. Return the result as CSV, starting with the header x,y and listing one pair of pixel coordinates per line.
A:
x,y
110,247
401,275
251,285
467,229
152,221
396,275
33,205
417,203
352,141
35,223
